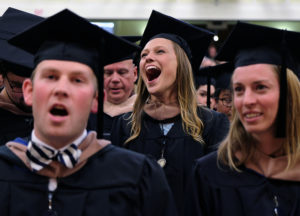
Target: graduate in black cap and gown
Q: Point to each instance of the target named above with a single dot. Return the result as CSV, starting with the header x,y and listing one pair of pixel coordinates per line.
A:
x,y
63,169
15,66
256,170
205,86
166,122
220,76
118,82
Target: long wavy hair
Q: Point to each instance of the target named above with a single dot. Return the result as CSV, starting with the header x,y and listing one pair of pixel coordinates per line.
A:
x,y
186,92
238,139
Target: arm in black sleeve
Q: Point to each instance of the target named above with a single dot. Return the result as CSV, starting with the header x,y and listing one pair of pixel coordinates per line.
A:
x,y
216,127
156,196
120,131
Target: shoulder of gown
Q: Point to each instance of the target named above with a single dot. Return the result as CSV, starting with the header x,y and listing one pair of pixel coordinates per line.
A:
x,y
216,127
121,129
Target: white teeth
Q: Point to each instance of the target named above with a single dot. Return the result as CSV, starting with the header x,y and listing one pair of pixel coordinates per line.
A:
x,y
151,67
252,115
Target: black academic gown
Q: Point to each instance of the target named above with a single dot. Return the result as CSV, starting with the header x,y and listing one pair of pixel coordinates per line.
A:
x,y
13,126
181,149
107,124
114,182
216,190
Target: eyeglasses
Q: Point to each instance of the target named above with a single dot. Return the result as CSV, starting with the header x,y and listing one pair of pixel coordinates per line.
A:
x,y
15,85
226,101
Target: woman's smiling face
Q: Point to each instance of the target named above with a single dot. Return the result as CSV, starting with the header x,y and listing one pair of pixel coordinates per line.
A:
x,y
158,66
256,97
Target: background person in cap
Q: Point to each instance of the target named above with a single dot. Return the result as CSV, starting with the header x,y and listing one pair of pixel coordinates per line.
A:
x,y
256,169
202,91
119,82
222,96
223,93
15,65
166,122
63,170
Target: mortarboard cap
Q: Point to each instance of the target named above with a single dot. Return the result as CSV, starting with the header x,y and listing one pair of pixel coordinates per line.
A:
x,y
12,22
221,73
202,80
132,39
205,80
67,36
253,44
219,76
193,40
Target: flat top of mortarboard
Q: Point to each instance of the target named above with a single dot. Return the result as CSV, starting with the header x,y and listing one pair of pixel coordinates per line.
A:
x,y
197,39
251,44
132,39
67,27
221,73
12,22
217,70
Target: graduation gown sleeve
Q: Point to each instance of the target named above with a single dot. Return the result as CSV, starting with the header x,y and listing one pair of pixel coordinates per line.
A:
x,y
154,185
107,124
216,127
120,131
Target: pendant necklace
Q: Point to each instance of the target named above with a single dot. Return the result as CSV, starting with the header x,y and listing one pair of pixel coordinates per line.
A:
x,y
162,160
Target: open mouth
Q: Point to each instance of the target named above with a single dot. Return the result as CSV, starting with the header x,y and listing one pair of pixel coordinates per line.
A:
x,y
152,72
59,110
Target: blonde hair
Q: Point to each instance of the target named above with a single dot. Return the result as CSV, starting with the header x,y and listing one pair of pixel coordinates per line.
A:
x,y
238,139
186,92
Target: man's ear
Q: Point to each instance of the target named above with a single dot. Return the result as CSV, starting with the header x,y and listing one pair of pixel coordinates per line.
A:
x,y
94,108
27,91
135,73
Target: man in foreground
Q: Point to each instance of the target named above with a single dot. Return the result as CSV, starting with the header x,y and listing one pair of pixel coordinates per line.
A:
x,y
63,170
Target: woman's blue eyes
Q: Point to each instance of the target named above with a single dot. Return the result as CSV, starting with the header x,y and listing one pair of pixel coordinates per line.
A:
x,y
257,87
158,52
